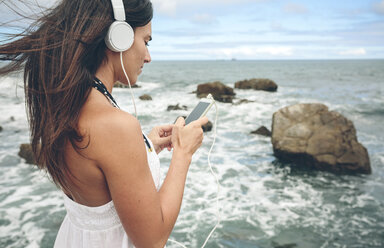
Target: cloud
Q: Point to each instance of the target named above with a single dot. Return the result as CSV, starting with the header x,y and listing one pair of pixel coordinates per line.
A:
x,y
244,52
277,26
172,7
206,19
294,8
379,7
353,52
167,7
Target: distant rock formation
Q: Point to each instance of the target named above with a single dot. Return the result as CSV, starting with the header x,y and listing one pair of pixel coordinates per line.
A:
x,y
219,91
257,84
146,97
310,135
262,131
121,85
241,101
26,153
176,107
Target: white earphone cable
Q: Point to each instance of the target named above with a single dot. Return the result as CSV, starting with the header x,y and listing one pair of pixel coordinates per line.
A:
x,y
215,176
209,158
129,83
218,214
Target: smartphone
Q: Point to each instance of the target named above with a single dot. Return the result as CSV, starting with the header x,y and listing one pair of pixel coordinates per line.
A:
x,y
200,110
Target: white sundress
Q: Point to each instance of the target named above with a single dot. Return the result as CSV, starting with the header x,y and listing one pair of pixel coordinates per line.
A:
x,y
98,227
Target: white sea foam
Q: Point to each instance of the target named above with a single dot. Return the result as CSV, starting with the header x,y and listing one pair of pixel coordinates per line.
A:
x,y
261,199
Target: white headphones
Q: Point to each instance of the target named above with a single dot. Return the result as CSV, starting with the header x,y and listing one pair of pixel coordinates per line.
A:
x,y
120,34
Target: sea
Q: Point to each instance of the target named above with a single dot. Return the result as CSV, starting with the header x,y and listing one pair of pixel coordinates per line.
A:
x,y
263,202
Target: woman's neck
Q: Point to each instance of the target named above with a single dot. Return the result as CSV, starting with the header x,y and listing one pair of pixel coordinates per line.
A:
x,y
105,74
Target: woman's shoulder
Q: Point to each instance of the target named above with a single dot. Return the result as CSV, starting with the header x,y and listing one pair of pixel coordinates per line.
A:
x,y
112,120
108,127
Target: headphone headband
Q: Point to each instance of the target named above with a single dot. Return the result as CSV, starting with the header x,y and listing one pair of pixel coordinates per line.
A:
x,y
118,10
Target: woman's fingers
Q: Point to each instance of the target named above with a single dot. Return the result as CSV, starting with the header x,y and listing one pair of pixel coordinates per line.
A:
x,y
199,122
180,122
202,121
165,130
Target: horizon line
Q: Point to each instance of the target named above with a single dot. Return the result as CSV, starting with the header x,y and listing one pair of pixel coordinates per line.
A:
x,y
280,59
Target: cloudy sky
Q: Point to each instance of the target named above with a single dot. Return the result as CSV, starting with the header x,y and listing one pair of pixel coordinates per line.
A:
x,y
265,29
268,29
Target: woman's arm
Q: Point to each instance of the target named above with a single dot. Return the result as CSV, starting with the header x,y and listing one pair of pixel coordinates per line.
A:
x,y
148,216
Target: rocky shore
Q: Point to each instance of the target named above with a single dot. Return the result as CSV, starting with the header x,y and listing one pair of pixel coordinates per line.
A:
x,y
307,135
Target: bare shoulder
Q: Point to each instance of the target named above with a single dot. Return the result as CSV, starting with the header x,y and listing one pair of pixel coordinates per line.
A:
x,y
109,129
113,122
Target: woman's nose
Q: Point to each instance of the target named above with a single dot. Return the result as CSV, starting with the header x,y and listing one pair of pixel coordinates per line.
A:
x,y
147,58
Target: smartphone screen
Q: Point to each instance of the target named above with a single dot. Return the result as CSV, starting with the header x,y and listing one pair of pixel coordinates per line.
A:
x,y
197,112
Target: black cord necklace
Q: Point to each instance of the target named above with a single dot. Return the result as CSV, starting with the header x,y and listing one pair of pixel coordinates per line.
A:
x,y
98,85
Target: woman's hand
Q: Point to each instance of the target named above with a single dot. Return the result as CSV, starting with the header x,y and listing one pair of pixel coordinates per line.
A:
x,y
161,137
187,139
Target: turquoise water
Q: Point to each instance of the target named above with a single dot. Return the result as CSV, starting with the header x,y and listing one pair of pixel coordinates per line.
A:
x,y
264,203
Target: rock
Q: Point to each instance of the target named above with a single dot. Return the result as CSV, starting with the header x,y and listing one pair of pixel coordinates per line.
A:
x,y
290,245
12,118
1,128
257,84
121,85
146,97
312,136
241,101
262,131
219,91
176,107
207,127
26,153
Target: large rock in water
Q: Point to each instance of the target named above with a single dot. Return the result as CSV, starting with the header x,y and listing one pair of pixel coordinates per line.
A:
x,y
257,84
27,153
310,135
219,91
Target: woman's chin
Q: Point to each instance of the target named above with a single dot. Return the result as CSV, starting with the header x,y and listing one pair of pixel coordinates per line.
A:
x,y
132,81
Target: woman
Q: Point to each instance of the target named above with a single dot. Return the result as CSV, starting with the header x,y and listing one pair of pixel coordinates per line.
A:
x,y
92,150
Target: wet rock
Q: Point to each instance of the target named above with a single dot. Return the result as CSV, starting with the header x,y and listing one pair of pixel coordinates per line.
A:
x,y
262,131
146,97
219,91
207,127
121,85
257,84
177,107
26,153
241,101
312,136
277,245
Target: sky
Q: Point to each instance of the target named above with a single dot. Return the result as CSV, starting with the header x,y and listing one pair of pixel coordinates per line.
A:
x,y
267,29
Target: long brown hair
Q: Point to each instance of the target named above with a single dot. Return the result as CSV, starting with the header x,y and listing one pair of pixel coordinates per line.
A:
x,y
60,53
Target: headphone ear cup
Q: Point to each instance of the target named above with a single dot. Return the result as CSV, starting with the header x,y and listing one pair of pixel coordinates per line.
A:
x,y
120,36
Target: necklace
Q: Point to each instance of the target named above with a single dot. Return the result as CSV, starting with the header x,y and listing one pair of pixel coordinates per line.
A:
x,y
98,85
